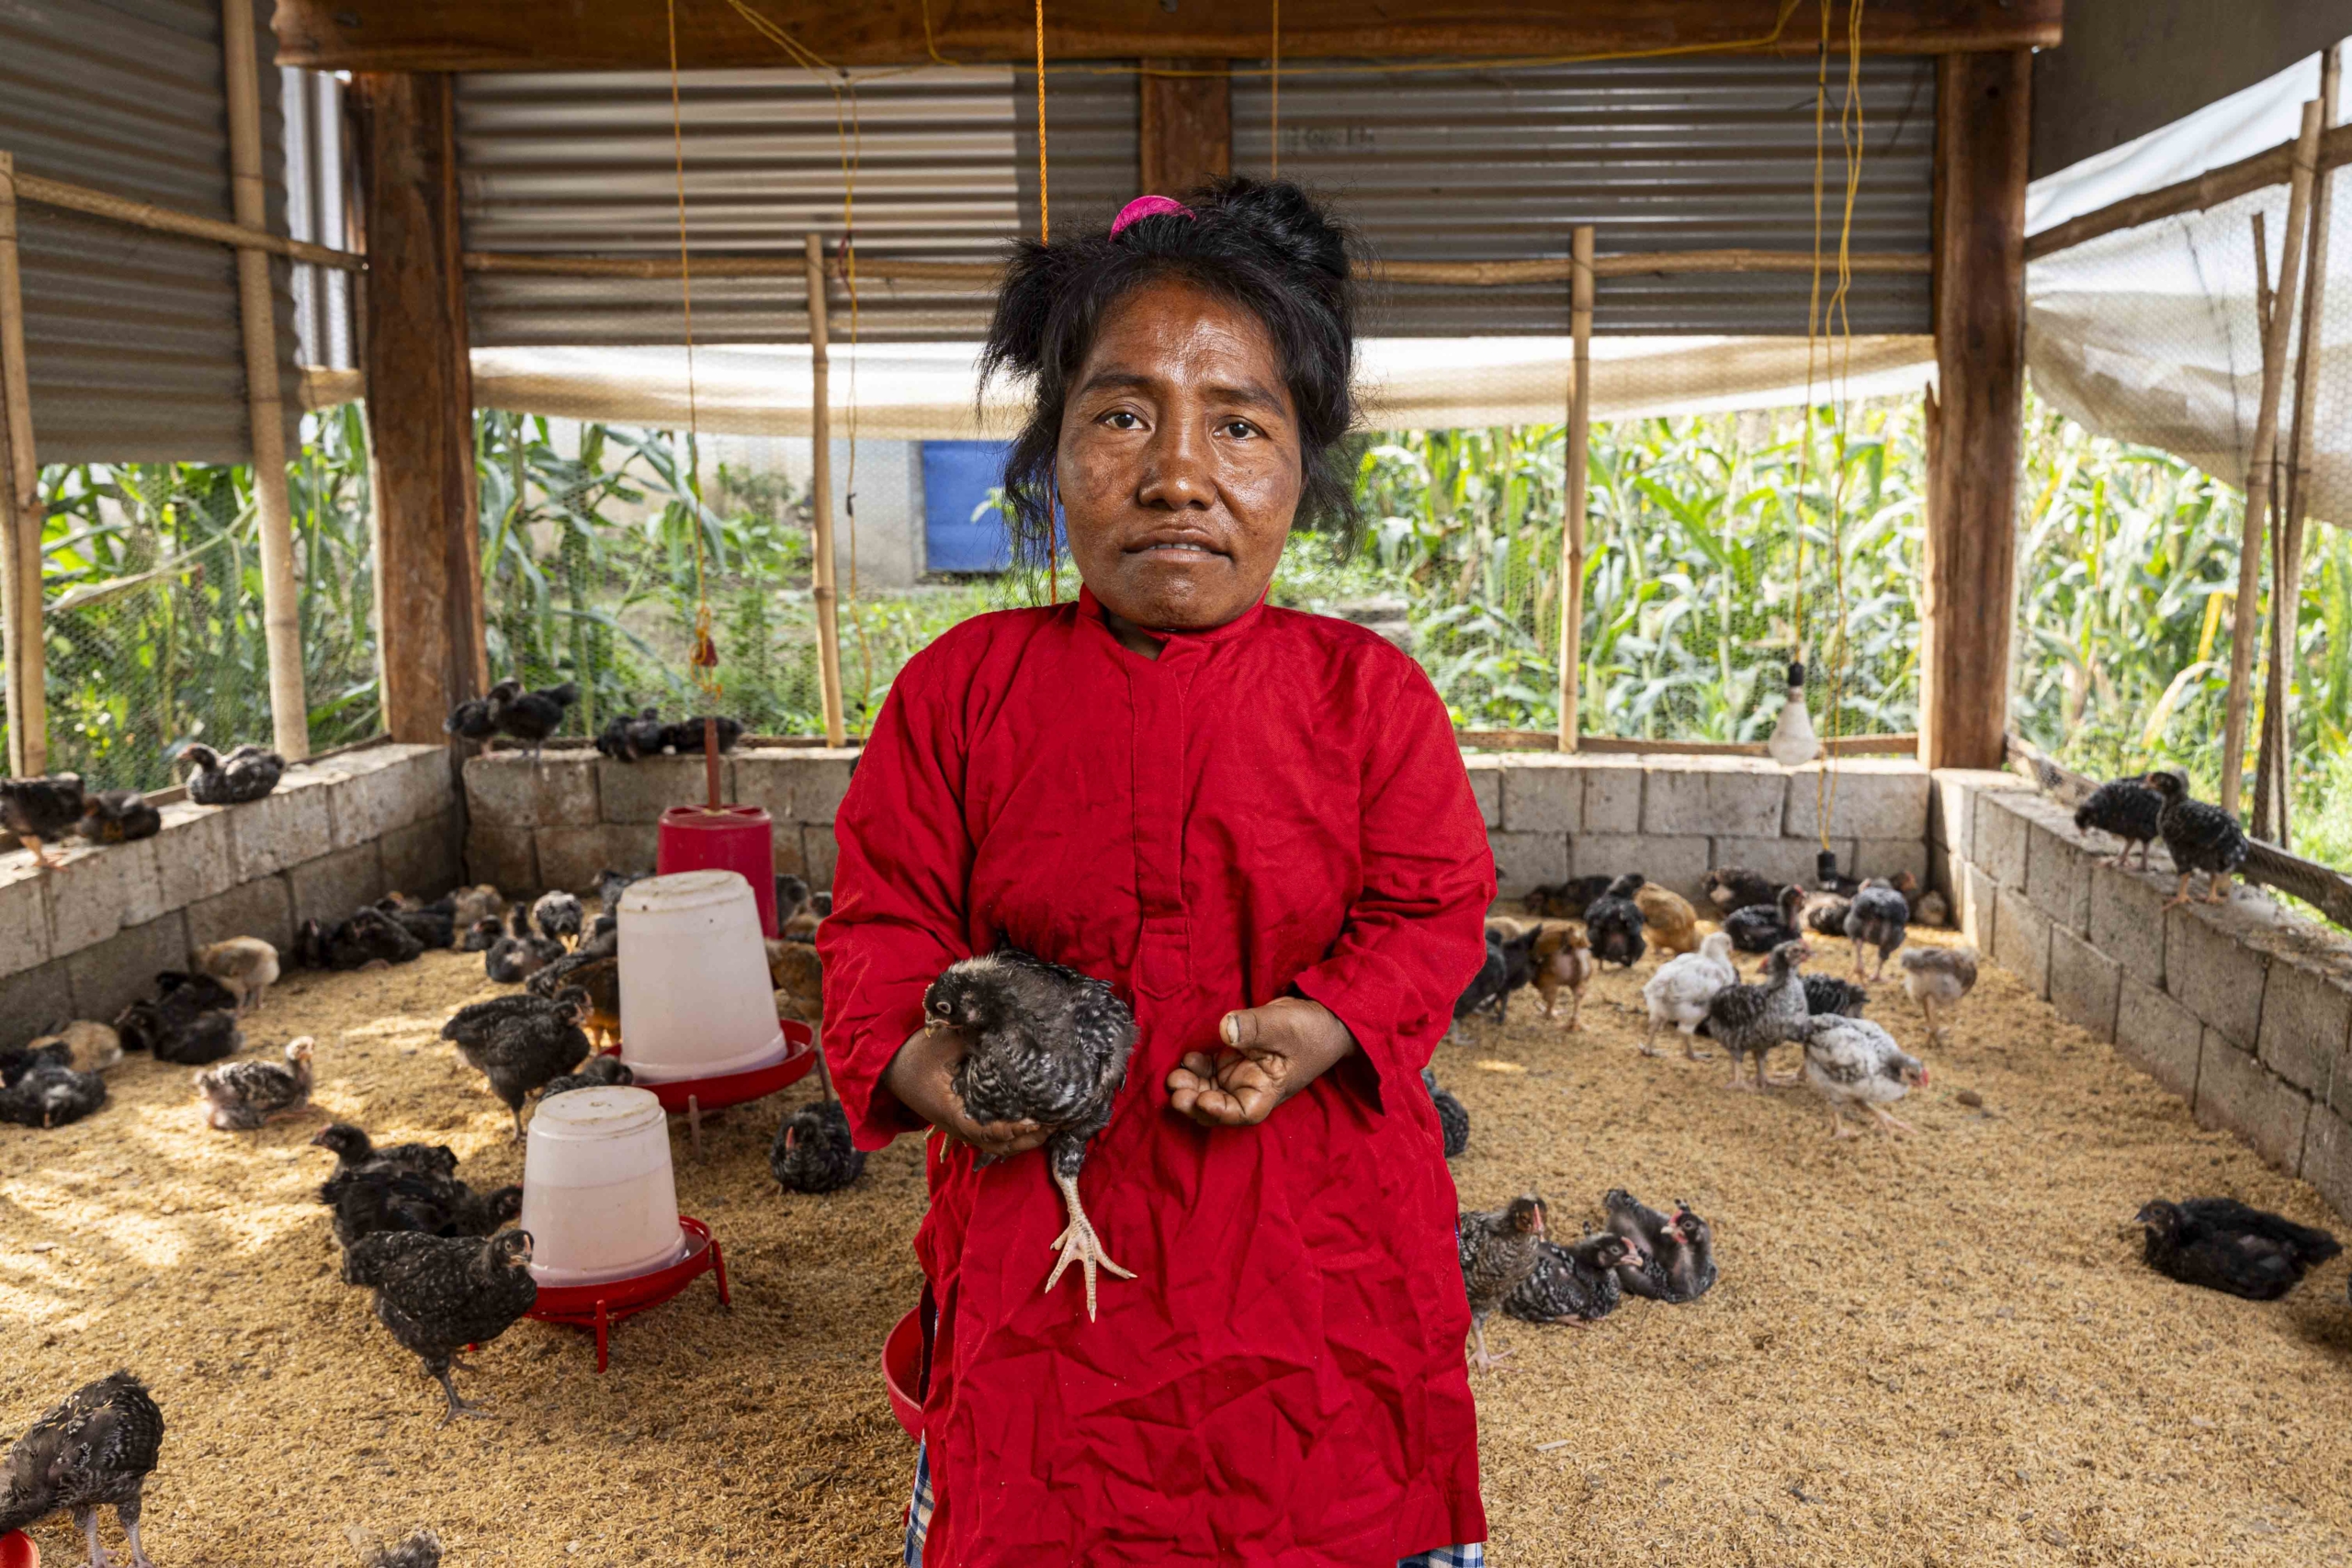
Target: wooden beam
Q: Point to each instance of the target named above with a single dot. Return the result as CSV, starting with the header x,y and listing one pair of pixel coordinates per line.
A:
x,y
824,579
1184,126
543,35
21,596
1573,487
420,404
1967,598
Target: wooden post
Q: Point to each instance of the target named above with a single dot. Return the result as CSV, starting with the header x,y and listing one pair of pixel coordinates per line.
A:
x,y
264,410
1184,126
1967,597
1579,444
821,580
21,603
2243,621
420,404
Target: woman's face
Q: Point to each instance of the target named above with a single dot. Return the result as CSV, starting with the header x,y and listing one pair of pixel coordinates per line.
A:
x,y
1179,461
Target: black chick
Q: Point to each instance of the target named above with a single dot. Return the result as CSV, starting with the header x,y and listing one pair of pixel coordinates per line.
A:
x,y
95,1448
1824,914
2128,809
530,717
1880,917
1734,887
1453,1117
1567,900
812,1152
1826,994
2200,837
1760,927
470,720
611,884
16,1060
118,816
1613,923
595,966
1675,1256
191,1019
2224,1245
482,936
521,952
434,924
439,1294
521,1042
392,1200
1578,1285
557,915
357,1155
50,1093
1490,988
371,939
631,736
245,775
686,737
1043,1044
597,1072
41,811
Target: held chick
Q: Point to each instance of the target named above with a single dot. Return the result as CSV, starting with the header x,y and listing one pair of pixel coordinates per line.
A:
x,y
246,968
1760,927
812,1152
2127,811
1748,1020
436,1295
521,1042
1612,924
1453,1117
95,1448
245,775
1670,923
1498,1249
1562,960
1679,993
2224,1245
1043,1044
1578,1285
1880,917
1934,976
241,1096
1851,1061
42,811
118,816
2200,837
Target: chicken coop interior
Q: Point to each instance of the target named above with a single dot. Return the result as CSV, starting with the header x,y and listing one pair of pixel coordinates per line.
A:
x,y
1872,476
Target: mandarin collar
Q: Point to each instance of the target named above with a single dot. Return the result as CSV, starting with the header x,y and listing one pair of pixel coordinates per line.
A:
x,y
1090,608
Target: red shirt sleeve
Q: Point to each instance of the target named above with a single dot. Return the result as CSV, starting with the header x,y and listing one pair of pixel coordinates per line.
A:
x,y
900,886
1416,933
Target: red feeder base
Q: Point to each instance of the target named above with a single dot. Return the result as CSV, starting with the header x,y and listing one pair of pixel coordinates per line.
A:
x,y
739,838
902,1370
18,1551
601,1305
691,1096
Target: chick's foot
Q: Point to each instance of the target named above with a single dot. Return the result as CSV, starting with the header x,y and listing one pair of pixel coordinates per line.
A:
x,y
1077,1244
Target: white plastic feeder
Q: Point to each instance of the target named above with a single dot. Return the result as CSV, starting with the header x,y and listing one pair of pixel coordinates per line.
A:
x,y
598,1196
695,1001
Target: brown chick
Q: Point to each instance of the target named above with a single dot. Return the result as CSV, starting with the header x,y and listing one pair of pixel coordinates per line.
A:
x,y
799,981
1563,957
246,964
1673,925
91,1047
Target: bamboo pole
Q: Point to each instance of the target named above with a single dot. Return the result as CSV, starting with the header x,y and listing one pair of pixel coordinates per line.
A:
x,y
822,575
1579,438
20,518
2273,785
2271,167
281,617
2265,444
170,221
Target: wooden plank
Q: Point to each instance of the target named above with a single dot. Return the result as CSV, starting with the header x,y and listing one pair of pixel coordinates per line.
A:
x,y
1969,581
1184,126
420,404
466,35
824,579
1620,746
1573,499
21,609
2214,187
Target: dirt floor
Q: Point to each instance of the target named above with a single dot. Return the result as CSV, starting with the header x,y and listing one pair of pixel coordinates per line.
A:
x,y
1941,1351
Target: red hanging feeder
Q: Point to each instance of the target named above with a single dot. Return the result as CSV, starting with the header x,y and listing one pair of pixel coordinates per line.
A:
x,y
740,838
902,1372
597,1307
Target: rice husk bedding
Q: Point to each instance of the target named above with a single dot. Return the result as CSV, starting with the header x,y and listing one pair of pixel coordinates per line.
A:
x,y
1942,1351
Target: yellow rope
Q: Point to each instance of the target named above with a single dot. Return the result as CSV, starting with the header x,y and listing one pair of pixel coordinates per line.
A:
x,y
930,47
1825,785
1274,80
705,658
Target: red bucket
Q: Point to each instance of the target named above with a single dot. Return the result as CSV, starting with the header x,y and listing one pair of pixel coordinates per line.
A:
x,y
902,1372
739,838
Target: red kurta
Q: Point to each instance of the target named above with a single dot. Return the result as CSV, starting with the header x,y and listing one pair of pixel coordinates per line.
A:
x,y
1276,805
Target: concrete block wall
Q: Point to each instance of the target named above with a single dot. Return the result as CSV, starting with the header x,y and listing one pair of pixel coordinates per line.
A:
x,y
2241,1008
81,939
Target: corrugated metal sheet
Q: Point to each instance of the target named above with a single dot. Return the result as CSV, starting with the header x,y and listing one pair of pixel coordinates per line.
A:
x,y
1666,154
131,338
945,170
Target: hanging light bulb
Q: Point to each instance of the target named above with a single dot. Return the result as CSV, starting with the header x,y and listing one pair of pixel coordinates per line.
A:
x,y
1794,741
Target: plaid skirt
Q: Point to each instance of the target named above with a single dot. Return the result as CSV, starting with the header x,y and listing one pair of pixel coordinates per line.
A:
x,y
1473,1555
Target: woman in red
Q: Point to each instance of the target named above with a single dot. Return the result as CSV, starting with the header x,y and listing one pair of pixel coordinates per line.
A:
x,y
1255,825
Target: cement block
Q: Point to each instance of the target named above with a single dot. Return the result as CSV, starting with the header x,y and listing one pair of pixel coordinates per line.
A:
x,y
2236,1091
791,852
424,858
1521,860
97,891
2306,1028
1485,787
293,823
109,977
1741,798
1867,798
796,784
1780,859
2083,984
33,1000
505,857
641,792
2058,870
2160,1035
2327,1157
2127,922
389,787
330,888
504,789
1543,794
1612,793
2215,975
1884,857
2021,940
261,907
1678,863
24,914
817,853
1978,908
573,858
2000,846
1952,802
192,856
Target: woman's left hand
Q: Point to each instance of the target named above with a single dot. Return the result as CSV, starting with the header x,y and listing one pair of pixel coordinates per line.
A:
x,y
1270,1054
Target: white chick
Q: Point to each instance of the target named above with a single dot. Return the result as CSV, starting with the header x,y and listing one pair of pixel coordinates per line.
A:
x,y
1851,1061
1932,974
246,965
241,1096
1678,993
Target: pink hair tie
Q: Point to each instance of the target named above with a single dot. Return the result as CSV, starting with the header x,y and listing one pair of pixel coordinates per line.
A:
x,y
1149,206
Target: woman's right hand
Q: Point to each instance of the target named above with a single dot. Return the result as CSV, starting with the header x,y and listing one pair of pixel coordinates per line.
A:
x,y
922,1075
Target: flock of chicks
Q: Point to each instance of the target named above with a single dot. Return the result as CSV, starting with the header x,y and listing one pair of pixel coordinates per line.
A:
x,y
42,811
532,718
